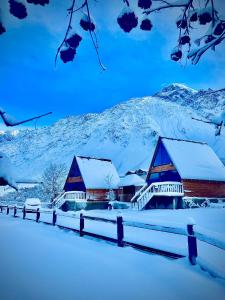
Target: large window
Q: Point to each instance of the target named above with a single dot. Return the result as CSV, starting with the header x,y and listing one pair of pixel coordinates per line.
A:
x,y
164,176
162,157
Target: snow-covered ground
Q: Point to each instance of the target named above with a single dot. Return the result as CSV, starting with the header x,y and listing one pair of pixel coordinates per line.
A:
x,y
209,221
45,262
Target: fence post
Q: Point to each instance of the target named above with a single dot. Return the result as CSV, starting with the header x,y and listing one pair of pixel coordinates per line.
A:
x,y
81,224
38,215
54,217
192,245
120,233
14,214
7,210
24,212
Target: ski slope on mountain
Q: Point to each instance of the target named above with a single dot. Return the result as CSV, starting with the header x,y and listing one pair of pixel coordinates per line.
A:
x,y
125,133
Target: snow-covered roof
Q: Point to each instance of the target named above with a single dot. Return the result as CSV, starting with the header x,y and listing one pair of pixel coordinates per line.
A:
x,y
131,179
194,160
98,173
7,175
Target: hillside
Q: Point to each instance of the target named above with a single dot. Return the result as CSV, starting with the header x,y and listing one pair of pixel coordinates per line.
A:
x,y
126,133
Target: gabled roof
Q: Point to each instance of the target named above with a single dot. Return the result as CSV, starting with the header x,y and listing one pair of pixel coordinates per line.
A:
x,y
131,179
98,173
194,160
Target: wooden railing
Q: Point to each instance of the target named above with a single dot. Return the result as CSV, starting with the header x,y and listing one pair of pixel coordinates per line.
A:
x,y
75,195
67,196
139,193
167,188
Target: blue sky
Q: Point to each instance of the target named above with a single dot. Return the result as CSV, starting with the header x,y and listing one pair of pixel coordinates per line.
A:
x,y
138,64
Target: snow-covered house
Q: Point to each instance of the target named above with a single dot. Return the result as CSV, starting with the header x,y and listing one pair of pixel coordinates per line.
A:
x,y
94,176
181,169
89,180
129,185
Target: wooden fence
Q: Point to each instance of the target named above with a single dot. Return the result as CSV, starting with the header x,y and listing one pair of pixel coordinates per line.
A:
x,y
191,234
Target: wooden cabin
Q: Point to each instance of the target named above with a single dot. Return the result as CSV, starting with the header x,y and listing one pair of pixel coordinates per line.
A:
x,y
129,185
182,170
92,177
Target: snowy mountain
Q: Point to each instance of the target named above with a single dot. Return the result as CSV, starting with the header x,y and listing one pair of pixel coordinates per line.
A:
x,y
126,133
203,102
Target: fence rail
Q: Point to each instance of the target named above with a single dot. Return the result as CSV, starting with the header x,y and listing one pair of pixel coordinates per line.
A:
x,y
191,234
161,228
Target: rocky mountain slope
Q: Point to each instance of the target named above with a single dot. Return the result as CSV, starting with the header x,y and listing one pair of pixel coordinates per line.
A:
x,y
126,133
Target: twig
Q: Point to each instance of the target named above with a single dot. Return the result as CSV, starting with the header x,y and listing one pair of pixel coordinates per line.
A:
x,y
163,1
79,8
196,55
93,41
169,5
213,13
126,2
68,29
208,122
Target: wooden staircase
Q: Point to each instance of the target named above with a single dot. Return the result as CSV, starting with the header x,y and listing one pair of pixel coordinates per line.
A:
x,y
147,192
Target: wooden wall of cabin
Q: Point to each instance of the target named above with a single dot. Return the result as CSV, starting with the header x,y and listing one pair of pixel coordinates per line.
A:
x,y
203,188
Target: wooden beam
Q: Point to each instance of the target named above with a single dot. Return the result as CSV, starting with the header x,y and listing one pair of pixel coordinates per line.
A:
x,y
162,168
74,179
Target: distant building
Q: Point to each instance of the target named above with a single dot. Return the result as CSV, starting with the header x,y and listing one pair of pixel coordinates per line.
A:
x,y
129,185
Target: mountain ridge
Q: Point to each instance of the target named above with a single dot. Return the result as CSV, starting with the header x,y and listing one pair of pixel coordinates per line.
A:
x,y
125,133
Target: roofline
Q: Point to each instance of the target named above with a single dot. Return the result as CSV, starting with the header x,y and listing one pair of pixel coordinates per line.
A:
x,y
89,157
153,157
181,140
207,180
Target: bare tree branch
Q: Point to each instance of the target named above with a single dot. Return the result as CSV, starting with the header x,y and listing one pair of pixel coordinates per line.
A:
x,y
196,54
11,122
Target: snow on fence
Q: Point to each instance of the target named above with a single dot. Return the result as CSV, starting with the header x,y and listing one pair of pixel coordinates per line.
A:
x,y
77,223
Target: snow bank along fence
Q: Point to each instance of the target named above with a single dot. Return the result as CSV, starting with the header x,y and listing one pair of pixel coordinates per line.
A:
x,y
192,234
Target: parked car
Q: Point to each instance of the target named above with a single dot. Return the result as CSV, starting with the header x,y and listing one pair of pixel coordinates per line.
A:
x,y
32,203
